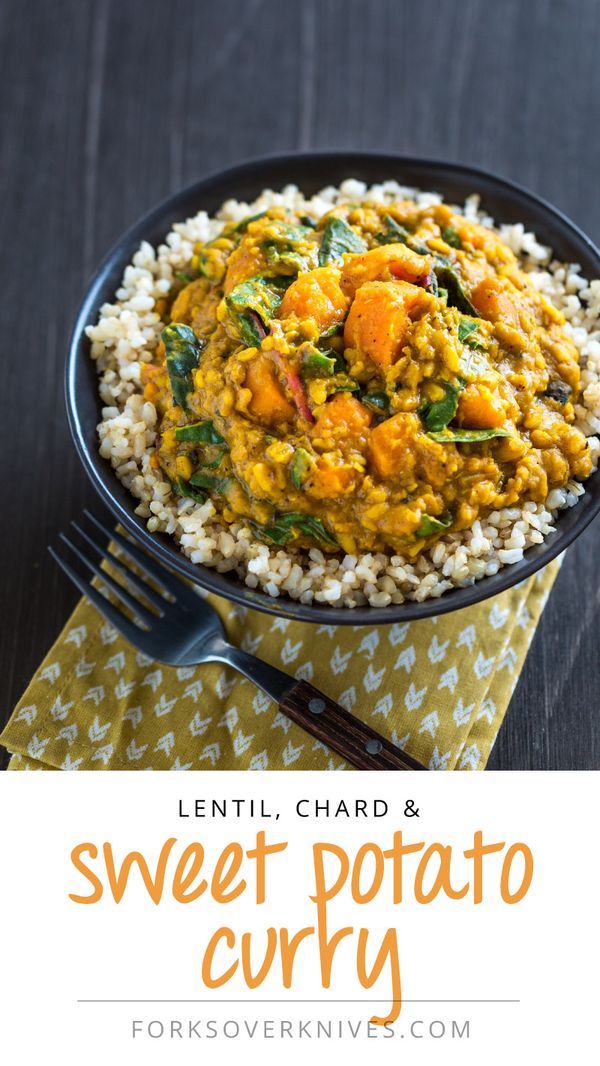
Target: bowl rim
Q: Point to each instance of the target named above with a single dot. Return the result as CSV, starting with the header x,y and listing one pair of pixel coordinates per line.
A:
x,y
208,578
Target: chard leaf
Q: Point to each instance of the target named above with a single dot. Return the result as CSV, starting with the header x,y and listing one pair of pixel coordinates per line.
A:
x,y
451,237
457,297
199,433
333,331
251,329
466,327
284,525
338,238
299,467
430,525
468,436
182,488
245,222
208,481
183,349
438,414
310,223
318,364
397,234
283,256
181,275
260,294
377,401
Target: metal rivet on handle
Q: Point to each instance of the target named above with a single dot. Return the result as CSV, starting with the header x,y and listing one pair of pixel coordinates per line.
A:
x,y
316,706
373,746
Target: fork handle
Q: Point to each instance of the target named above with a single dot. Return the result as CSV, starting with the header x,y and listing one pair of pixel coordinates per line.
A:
x,y
340,730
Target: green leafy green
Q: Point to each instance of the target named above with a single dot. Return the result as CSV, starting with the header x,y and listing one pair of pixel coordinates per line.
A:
x,y
299,467
437,414
182,488
451,237
245,222
430,525
467,436
558,391
183,349
457,297
318,364
466,328
251,329
260,294
201,480
282,528
333,331
199,433
183,276
397,234
377,401
283,256
338,238
306,220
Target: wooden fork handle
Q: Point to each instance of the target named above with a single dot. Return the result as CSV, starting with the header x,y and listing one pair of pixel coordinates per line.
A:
x,y
340,730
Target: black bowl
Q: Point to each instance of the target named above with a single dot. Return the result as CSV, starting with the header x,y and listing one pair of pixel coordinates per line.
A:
x,y
504,200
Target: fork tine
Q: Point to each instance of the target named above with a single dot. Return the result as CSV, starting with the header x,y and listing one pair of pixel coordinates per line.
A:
x,y
128,629
130,601
142,586
150,567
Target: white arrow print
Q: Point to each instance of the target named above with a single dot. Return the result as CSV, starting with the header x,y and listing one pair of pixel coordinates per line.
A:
x,y
133,715
497,616
523,617
184,673
290,651
291,754
60,710
37,747
449,679
329,630
96,694
397,633
123,689
230,719
508,660
399,741
177,765
154,679
51,673
108,634
369,643
430,723
194,690
166,743
143,660
83,668
470,758
103,753
71,764
466,638
437,761
134,753
224,687
97,732
280,625
436,651
199,725
373,678
241,743
116,662
261,702
348,698
384,705
76,636
339,662
281,722
462,714
487,710
304,672
27,714
212,752
414,699
250,643
483,666
259,762
68,733
164,706
406,659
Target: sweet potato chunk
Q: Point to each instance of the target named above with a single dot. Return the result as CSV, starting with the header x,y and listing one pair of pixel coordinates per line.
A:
x,y
316,295
384,264
246,262
343,418
269,402
493,303
478,408
392,446
329,480
379,318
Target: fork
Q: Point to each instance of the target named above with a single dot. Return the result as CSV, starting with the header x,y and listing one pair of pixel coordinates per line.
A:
x,y
176,626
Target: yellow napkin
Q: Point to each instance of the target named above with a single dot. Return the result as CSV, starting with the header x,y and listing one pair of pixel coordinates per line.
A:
x,y
439,688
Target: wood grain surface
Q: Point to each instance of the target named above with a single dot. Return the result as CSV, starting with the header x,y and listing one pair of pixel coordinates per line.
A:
x,y
109,105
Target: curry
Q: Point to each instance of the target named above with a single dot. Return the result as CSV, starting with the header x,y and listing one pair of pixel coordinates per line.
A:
x,y
368,381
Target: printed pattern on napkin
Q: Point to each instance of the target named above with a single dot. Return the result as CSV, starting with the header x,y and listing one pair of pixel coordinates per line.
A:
x,y
438,688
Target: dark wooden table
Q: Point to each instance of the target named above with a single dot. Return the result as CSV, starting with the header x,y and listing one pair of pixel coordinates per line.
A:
x,y
109,105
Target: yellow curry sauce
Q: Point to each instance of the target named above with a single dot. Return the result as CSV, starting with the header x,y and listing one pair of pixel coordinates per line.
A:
x,y
369,381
